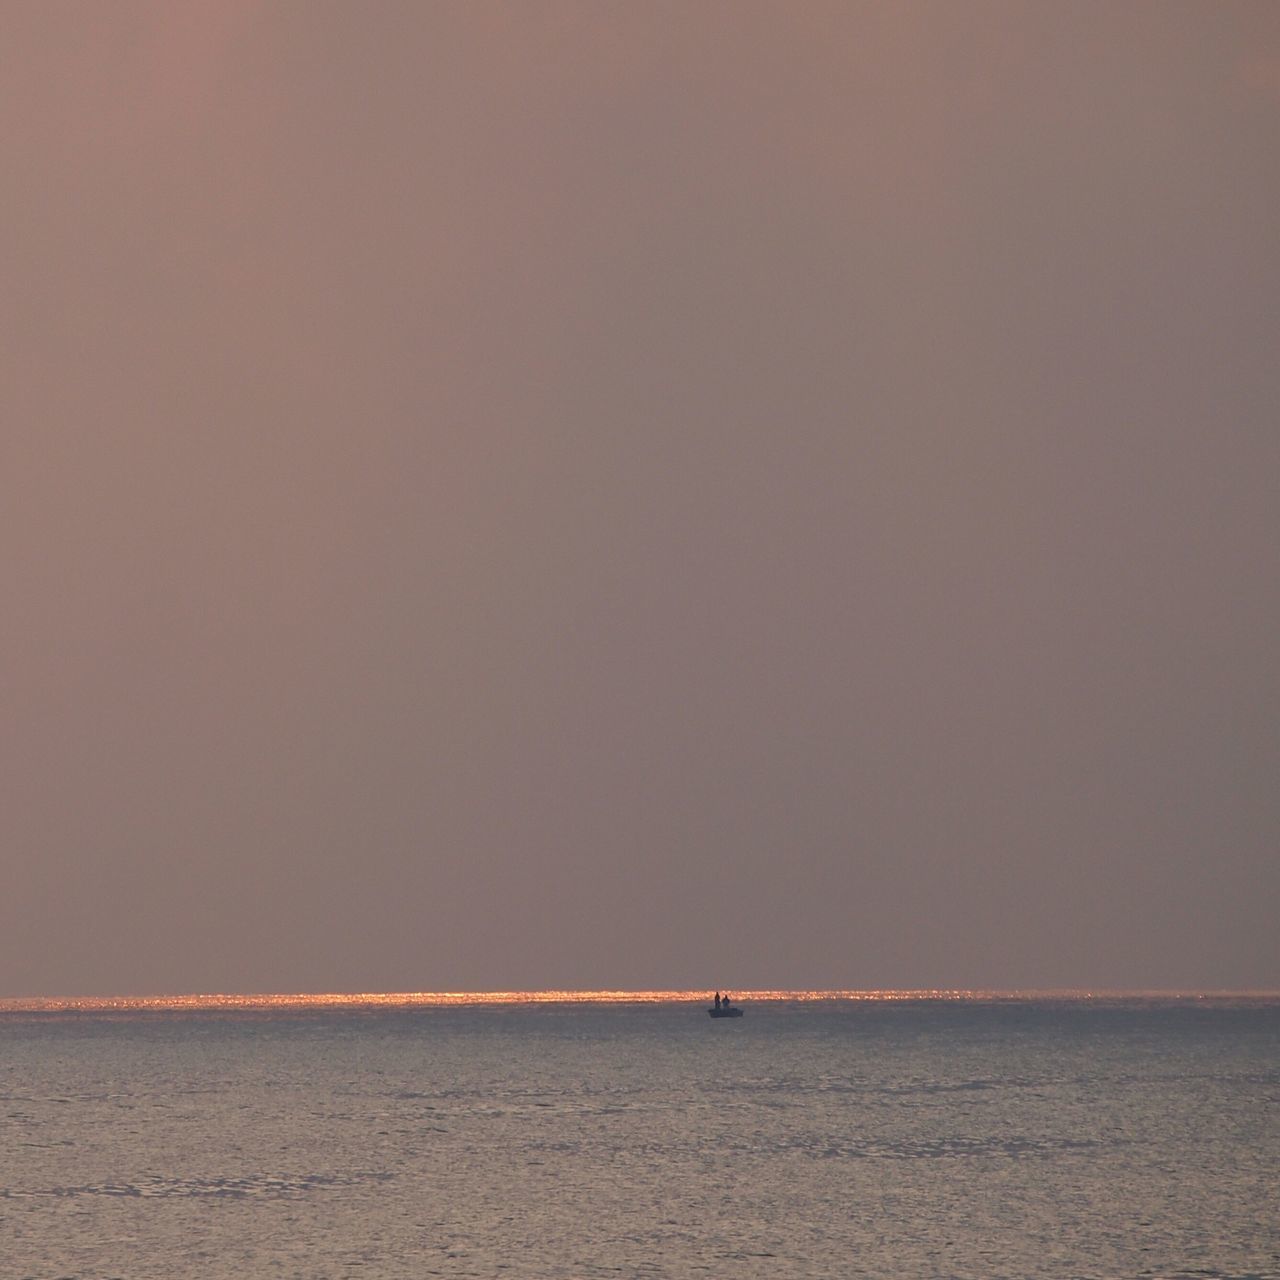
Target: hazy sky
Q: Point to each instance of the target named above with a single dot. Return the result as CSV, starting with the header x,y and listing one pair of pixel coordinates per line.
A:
x,y
639,495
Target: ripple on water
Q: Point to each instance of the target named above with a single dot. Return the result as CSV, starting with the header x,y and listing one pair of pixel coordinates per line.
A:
x,y
243,1187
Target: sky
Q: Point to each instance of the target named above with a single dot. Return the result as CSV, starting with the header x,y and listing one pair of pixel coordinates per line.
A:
x,y
596,495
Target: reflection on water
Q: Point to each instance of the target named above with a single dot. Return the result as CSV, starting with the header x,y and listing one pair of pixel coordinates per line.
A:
x,y
430,999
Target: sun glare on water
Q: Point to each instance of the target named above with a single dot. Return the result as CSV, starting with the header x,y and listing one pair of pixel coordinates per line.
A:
x,y
372,1000
428,999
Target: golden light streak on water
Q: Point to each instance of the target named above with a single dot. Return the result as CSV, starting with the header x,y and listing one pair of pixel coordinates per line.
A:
x,y
435,999
303,1001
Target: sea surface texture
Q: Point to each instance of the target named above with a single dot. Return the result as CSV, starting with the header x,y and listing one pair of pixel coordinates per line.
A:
x,y
978,1137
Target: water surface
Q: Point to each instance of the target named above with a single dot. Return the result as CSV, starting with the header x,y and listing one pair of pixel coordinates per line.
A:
x,y
974,1136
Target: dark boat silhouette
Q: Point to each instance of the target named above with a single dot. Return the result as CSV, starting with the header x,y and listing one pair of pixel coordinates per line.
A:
x,y
724,1009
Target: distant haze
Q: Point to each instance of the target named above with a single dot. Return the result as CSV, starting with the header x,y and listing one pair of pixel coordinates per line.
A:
x,y
504,496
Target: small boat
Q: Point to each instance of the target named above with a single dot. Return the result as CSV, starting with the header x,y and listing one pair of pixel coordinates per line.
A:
x,y
723,1008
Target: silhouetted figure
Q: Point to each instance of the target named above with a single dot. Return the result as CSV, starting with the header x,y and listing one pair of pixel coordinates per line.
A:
x,y
717,999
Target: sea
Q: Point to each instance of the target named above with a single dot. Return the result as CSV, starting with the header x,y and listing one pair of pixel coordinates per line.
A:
x,y
591,1134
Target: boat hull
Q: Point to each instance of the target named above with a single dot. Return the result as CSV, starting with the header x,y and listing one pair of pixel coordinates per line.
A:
x,y
732,1012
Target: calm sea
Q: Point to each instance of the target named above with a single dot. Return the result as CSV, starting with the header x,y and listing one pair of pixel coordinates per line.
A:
x,y
976,1137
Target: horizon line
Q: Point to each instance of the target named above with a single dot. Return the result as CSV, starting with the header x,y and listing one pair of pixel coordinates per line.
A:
x,y
354,1000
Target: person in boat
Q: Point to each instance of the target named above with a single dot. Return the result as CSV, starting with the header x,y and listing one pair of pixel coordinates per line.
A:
x,y
717,999
725,1001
